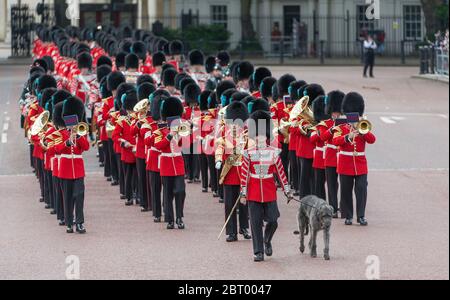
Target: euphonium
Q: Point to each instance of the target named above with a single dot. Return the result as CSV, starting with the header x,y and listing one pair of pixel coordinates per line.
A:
x,y
364,127
40,123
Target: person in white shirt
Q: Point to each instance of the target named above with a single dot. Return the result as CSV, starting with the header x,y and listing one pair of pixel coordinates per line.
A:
x,y
369,52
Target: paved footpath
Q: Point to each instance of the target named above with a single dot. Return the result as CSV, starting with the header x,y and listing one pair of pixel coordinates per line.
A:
x,y
408,206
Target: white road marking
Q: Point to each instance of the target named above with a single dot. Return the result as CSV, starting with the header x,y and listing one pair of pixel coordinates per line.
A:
x,y
411,170
5,126
388,120
7,119
4,138
406,114
398,118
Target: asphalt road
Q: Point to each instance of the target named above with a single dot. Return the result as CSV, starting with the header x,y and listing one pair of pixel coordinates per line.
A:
x,y
408,205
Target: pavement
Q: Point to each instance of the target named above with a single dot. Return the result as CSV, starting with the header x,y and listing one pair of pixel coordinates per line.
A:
x,y
408,206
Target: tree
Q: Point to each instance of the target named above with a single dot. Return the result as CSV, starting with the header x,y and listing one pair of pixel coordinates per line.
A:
x,y
430,10
248,31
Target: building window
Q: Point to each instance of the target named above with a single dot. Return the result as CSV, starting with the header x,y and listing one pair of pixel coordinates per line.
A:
x,y
412,22
364,25
219,15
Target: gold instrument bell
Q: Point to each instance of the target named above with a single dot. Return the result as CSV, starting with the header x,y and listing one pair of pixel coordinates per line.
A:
x,y
40,123
82,129
183,129
364,127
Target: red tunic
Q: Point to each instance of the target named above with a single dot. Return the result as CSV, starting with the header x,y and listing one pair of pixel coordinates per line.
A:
x,y
152,154
257,174
319,151
280,111
71,164
102,118
171,159
351,157
330,149
126,140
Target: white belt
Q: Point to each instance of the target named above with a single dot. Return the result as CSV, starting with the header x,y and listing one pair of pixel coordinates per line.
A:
x,y
352,153
321,149
154,149
256,176
71,156
170,154
332,146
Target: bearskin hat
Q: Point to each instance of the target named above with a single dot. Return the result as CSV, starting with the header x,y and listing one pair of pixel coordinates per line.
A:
x,y
114,80
212,101
121,90
225,99
352,103
131,61
145,78
140,50
167,66
156,99
82,48
73,106
251,84
238,96
46,81
334,102
266,85
196,58
125,46
256,127
40,63
284,83
84,61
223,58
245,70
129,99
259,75
120,59
179,78
103,87
176,47
275,95
38,70
234,71
294,88
248,100
171,107
318,108
50,63
60,96
203,100
236,111
47,96
313,91
185,82
168,77
258,104
57,118
223,86
191,93
144,90
104,60
103,71
210,64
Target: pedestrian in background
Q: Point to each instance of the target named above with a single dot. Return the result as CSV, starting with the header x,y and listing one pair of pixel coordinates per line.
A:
x,y
369,52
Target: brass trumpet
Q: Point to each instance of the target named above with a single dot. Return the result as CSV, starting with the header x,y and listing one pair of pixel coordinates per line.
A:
x,y
82,129
183,129
364,127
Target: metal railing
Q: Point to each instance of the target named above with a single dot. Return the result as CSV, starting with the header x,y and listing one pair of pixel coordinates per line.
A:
x,y
433,60
441,61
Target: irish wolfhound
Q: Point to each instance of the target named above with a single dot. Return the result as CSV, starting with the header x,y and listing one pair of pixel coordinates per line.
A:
x,y
317,215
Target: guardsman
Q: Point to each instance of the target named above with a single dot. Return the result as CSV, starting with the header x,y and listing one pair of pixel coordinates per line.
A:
x,y
352,163
158,60
244,72
205,127
167,140
196,71
132,72
168,81
258,187
265,89
58,122
120,62
258,76
71,166
124,135
209,144
176,50
150,130
318,108
83,82
214,72
230,146
333,109
143,118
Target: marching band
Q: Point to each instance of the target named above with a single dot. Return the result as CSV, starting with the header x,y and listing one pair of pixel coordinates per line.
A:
x,y
160,121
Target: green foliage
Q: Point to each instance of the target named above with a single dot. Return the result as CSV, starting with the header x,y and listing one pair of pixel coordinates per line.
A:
x,y
442,16
209,38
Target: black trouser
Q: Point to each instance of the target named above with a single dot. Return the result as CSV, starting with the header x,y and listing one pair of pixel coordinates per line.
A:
x,y
306,177
113,161
107,159
213,173
231,194
58,196
174,188
121,172
260,212
32,161
142,183
49,189
284,155
40,174
332,187
299,172
220,186
101,153
154,183
128,172
293,171
319,183
204,170
359,183
73,194
193,166
369,62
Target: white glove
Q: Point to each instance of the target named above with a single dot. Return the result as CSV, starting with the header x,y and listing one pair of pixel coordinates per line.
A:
x,y
218,165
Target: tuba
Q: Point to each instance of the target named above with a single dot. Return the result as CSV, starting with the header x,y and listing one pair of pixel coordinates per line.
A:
x,y
302,110
40,123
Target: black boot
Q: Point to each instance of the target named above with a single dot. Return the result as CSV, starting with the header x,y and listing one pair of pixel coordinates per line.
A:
x,y
348,222
259,257
114,183
245,233
170,226
157,220
129,202
268,248
180,223
62,223
362,221
69,229
81,229
232,238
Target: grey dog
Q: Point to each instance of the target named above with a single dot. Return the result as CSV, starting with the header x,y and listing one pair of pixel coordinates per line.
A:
x,y
317,215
